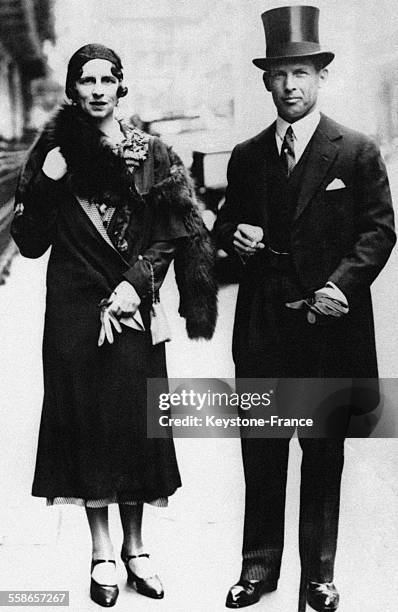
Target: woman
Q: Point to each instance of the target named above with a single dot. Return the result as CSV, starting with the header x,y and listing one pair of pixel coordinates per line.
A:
x,y
116,205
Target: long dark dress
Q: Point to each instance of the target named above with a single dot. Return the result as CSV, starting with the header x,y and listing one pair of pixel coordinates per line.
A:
x,y
92,442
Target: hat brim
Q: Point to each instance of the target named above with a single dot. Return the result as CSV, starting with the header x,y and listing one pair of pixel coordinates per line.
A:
x,y
265,63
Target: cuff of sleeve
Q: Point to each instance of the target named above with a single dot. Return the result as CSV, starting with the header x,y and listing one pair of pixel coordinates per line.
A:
x,y
332,291
43,184
42,177
137,281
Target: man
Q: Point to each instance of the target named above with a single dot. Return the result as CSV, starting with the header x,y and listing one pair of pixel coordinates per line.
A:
x,y
308,210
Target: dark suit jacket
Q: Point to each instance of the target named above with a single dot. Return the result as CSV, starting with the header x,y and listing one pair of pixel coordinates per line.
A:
x,y
344,235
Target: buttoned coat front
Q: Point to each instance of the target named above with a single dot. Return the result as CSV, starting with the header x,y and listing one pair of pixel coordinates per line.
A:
x,y
93,442
343,235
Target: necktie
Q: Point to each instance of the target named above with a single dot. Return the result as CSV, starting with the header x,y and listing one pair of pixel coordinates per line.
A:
x,y
287,152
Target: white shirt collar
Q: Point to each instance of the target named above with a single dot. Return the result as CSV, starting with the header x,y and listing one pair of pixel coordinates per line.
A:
x,y
303,129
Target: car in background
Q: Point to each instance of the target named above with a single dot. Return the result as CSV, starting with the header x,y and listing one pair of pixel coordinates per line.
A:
x,y
206,153
209,172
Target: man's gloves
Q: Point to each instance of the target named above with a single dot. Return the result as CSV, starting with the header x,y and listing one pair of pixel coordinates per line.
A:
x,y
123,301
324,305
320,308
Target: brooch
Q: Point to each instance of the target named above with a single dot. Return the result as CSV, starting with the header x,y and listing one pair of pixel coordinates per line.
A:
x,y
135,146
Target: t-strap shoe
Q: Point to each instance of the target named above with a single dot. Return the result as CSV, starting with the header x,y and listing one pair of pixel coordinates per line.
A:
x,y
103,594
322,596
150,586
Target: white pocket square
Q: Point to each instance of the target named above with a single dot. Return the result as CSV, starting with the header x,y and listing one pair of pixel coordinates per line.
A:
x,y
336,184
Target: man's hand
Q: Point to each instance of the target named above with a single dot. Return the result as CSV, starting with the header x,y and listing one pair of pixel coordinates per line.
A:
x,y
247,239
327,306
320,308
55,165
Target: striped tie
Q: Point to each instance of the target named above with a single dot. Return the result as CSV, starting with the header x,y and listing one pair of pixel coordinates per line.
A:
x,y
287,152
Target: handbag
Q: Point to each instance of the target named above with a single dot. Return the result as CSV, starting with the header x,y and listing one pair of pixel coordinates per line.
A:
x,y
160,329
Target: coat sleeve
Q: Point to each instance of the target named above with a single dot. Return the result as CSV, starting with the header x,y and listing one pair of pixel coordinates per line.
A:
x,y
178,231
375,236
167,222
231,213
157,258
34,223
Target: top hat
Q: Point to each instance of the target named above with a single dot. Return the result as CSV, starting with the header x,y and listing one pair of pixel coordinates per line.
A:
x,y
292,32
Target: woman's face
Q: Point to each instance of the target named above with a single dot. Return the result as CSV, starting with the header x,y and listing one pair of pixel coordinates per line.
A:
x,y
96,89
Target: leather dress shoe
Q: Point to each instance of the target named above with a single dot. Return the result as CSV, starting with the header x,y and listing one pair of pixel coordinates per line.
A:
x,y
150,586
247,592
322,596
103,594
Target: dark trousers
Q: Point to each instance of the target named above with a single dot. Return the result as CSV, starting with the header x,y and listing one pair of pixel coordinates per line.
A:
x,y
265,465
273,341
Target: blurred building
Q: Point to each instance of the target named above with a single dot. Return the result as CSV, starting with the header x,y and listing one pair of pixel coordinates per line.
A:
x,y
362,91
24,27
175,54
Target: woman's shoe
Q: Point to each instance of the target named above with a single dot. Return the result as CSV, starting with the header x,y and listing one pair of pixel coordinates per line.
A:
x,y
103,594
150,586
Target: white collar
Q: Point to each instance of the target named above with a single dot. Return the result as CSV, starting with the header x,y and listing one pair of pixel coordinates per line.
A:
x,y
303,129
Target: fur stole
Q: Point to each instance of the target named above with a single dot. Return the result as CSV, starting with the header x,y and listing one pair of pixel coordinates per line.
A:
x,y
194,262
96,170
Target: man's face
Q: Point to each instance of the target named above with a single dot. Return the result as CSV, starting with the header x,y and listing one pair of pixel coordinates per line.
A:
x,y
294,86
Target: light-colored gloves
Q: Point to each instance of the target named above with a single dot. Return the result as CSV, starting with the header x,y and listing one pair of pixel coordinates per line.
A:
x,y
321,307
107,320
55,165
123,302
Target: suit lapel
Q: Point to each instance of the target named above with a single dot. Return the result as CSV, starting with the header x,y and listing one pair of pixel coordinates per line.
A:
x,y
322,155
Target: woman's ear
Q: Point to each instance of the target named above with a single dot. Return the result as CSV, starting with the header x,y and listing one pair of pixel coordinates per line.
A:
x,y
121,91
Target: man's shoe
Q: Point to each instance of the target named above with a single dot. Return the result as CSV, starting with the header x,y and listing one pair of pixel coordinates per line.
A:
x,y
247,592
322,596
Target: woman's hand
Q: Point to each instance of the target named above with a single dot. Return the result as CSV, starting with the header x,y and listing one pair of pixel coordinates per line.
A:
x,y
107,320
55,165
124,300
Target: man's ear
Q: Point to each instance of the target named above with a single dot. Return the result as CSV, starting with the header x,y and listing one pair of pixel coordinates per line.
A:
x,y
323,76
266,81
